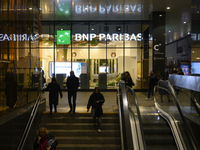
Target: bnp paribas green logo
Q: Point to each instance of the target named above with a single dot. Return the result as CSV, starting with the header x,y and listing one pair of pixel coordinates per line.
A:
x,y
63,37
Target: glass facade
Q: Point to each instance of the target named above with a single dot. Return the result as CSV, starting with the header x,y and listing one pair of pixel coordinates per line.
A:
x,y
93,48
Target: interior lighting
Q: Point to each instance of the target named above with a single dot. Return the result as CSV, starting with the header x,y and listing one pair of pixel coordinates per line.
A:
x,y
197,12
61,29
197,58
92,29
169,31
168,7
184,22
30,8
192,51
40,8
160,15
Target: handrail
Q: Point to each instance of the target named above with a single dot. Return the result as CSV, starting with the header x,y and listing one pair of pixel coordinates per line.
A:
x,y
188,129
29,124
139,117
179,141
128,140
120,120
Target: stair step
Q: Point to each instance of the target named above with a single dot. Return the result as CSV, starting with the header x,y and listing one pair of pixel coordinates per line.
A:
x,y
161,147
107,133
156,129
88,140
88,147
82,126
63,119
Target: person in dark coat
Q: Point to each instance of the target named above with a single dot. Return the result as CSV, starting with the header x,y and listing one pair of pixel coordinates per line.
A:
x,y
53,89
72,86
152,81
44,140
96,100
128,80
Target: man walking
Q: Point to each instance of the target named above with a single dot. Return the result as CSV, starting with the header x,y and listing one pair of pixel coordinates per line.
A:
x,y
152,80
72,86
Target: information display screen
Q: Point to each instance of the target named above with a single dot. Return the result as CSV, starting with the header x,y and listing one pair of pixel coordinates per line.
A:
x,y
102,69
65,68
195,67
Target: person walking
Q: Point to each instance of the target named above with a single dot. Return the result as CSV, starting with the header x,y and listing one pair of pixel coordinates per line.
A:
x,y
152,81
53,89
72,86
96,100
44,140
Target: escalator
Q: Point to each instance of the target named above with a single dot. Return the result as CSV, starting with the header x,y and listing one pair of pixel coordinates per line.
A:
x,y
165,126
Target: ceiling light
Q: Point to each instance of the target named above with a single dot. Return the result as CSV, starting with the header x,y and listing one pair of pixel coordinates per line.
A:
x,y
61,29
30,8
160,15
40,8
168,7
197,12
92,29
184,22
169,31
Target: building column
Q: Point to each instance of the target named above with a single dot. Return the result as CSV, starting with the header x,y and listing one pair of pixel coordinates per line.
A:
x,y
157,31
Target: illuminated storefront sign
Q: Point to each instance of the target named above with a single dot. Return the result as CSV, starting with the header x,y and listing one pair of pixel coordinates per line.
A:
x,y
18,37
102,9
64,37
111,37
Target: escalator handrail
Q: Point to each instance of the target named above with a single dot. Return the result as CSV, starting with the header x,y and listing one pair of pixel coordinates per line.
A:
x,y
188,129
139,117
29,124
120,120
179,141
127,136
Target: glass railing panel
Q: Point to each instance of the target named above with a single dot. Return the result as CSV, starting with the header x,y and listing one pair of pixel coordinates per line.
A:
x,y
188,103
12,127
169,104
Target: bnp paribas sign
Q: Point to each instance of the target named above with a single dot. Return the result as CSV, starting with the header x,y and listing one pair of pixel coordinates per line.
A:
x,y
63,37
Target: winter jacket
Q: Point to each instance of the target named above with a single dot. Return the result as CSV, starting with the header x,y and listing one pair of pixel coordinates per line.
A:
x,y
97,106
49,137
72,84
53,89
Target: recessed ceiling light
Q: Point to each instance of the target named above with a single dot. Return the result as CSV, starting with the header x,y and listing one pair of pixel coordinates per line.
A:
x,y
184,22
168,7
160,15
61,29
169,31
30,8
197,12
197,58
92,29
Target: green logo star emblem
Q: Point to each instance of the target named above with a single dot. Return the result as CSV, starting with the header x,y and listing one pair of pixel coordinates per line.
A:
x,y
63,37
